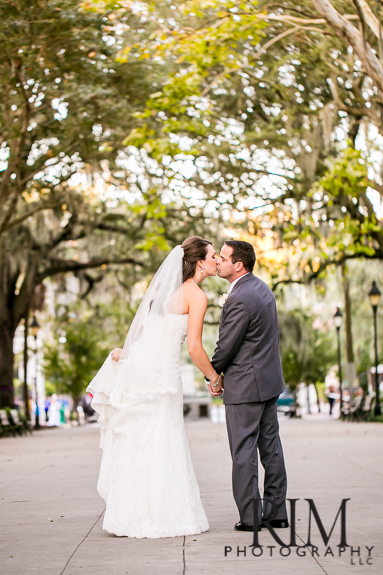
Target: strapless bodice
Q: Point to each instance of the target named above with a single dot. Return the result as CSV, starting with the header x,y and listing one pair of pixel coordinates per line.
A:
x,y
177,325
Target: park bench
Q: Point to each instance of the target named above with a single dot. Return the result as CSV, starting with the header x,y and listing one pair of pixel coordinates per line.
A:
x,y
6,426
10,423
21,425
197,406
354,410
367,406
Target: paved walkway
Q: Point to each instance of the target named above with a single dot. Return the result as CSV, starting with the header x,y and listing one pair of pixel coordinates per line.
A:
x,y
51,514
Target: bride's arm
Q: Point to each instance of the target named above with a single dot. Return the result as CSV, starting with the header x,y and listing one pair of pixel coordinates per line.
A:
x,y
197,310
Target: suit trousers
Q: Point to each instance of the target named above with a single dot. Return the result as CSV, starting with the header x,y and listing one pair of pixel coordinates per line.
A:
x,y
253,427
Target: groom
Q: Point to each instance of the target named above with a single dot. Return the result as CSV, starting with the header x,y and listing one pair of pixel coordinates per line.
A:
x,y
248,355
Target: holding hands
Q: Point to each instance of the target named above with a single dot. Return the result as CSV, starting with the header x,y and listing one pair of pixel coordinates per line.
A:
x,y
216,384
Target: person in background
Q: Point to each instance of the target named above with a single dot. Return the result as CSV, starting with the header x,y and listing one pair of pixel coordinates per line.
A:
x,y
331,396
54,412
62,413
46,409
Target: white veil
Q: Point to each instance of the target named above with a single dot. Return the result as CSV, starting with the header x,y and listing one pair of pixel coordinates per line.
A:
x,y
144,351
164,295
141,372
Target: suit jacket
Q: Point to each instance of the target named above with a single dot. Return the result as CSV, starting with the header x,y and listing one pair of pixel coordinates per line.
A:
x,y
247,350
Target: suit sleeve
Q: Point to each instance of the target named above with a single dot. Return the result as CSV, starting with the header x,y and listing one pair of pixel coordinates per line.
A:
x,y
232,331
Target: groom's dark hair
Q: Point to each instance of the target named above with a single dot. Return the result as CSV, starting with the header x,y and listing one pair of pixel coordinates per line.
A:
x,y
242,252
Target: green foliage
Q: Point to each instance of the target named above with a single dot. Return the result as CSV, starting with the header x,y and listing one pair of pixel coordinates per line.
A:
x,y
70,366
50,388
346,176
321,389
307,353
374,418
364,361
245,92
253,86
66,108
340,198
90,330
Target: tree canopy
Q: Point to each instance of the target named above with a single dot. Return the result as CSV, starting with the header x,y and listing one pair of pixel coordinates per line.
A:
x,y
275,106
73,195
127,126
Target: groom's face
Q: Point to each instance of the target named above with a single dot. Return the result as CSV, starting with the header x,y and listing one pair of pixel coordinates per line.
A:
x,y
226,269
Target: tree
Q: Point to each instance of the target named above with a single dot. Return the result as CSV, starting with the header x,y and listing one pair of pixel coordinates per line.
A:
x,y
306,353
358,39
83,335
66,106
71,365
258,79
253,108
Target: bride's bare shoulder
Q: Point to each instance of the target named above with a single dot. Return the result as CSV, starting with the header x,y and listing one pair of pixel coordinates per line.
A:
x,y
194,294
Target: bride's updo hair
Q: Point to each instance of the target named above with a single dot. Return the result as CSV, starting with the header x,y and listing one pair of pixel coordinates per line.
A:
x,y
195,249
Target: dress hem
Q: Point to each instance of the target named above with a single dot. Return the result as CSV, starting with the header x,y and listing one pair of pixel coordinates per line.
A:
x,y
181,533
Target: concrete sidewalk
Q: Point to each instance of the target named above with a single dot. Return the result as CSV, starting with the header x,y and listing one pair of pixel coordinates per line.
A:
x,y
51,514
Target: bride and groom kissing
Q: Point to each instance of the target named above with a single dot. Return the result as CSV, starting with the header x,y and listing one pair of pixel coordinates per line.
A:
x,y
146,474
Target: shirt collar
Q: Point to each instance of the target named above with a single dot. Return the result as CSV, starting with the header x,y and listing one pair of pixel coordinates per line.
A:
x,y
234,282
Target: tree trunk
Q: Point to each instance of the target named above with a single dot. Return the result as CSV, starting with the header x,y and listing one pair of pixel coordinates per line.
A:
x,y
318,400
6,360
348,318
13,308
76,403
26,392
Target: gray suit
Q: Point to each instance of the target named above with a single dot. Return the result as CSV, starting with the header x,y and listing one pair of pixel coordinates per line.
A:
x,y
248,355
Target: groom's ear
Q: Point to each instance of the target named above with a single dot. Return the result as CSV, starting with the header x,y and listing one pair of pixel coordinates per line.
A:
x,y
238,266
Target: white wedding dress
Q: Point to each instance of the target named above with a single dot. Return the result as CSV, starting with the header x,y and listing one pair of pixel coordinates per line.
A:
x,y
146,475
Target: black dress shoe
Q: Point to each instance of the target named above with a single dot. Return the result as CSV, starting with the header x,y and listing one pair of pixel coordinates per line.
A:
x,y
277,523
243,527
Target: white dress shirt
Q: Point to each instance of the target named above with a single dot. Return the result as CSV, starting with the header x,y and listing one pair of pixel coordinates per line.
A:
x,y
234,282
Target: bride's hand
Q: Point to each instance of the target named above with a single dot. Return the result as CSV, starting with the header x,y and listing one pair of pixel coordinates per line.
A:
x,y
216,389
116,353
215,393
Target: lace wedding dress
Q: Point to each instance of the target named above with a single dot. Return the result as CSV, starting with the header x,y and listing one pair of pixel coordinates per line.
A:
x,y
146,475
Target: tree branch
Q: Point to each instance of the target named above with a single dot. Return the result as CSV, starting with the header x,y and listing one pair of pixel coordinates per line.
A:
x,y
257,55
310,277
10,210
111,228
295,20
61,265
91,283
361,18
19,220
367,16
265,47
345,30
49,155
352,110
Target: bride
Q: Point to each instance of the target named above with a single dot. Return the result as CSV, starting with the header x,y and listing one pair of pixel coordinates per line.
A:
x,y
146,474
